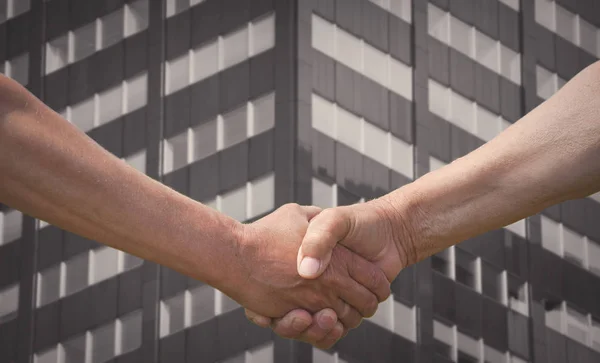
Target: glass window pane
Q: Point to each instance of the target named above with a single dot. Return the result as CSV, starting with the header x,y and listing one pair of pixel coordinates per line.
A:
x,y
589,37
206,61
137,92
9,302
57,53
401,79
74,350
492,282
468,346
172,315
438,23
227,304
18,7
136,17
494,356
510,63
204,137
82,114
112,26
263,34
402,9
131,262
11,226
461,36
322,194
595,334
235,47
551,235
138,160
3,10
488,124
517,295
105,264
202,305
234,203
375,64
323,35
76,270
131,332
19,68
348,48
465,267
84,41
323,118
319,356
566,25
110,104
462,112
594,257
401,156
176,6
48,285
487,51
177,73
349,129
264,114
573,246
439,99
546,82
443,339
262,195
175,152
441,262
48,356
103,343
376,143
404,321
577,325
235,127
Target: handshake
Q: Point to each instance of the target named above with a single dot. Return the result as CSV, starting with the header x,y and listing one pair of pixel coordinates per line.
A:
x,y
335,263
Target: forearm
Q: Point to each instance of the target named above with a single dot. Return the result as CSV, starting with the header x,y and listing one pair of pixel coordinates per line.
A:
x,y
549,156
52,171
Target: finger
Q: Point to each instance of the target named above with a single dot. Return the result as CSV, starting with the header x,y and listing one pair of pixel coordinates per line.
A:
x,y
360,298
258,319
370,276
323,233
311,211
347,315
323,323
293,324
331,338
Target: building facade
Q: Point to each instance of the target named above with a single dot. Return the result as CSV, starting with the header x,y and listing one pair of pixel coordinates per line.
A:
x,y
249,104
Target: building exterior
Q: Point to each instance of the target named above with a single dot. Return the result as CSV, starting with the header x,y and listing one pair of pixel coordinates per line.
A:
x,y
249,104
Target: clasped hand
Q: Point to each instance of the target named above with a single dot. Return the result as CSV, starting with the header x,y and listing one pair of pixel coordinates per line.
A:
x,y
298,261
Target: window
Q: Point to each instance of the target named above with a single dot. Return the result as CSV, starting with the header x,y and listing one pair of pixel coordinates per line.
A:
x,y
466,268
172,315
110,104
84,41
517,295
18,68
376,143
461,36
577,325
401,156
545,13
574,247
177,74
136,92
224,303
202,304
175,152
11,226
103,343
76,271
17,7
136,17
82,114
444,340
487,51
469,350
439,99
104,264
551,235
204,137
206,60
510,64
233,203
263,114
491,355
323,195
50,355
375,64
262,354
137,160
235,47
566,24
492,282
595,332
112,28
323,36
319,356
546,82
400,79
323,118
589,37
262,35
348,49
443,263
128,262
176,6
262,195
74,349
404,321
435,164
349,130
402,9
462,112
57,53
129,332
488,124
234,127
518,228
438,22
384,317
48,285
9,302
594,257
554,317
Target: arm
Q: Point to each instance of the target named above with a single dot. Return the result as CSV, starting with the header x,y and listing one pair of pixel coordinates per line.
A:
x,y
549,156
52,171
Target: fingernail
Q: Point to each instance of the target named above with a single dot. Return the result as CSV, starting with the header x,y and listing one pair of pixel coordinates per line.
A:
x,y
309,266
325,321
298,324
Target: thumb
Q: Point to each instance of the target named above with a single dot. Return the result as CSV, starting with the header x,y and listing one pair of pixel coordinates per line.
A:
x,y
324,232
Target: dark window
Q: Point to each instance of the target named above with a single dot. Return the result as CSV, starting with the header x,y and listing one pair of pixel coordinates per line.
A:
x,y
465,268
441,262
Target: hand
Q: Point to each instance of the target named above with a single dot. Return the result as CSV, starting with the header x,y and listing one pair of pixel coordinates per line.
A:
x,y
266,280
366,229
